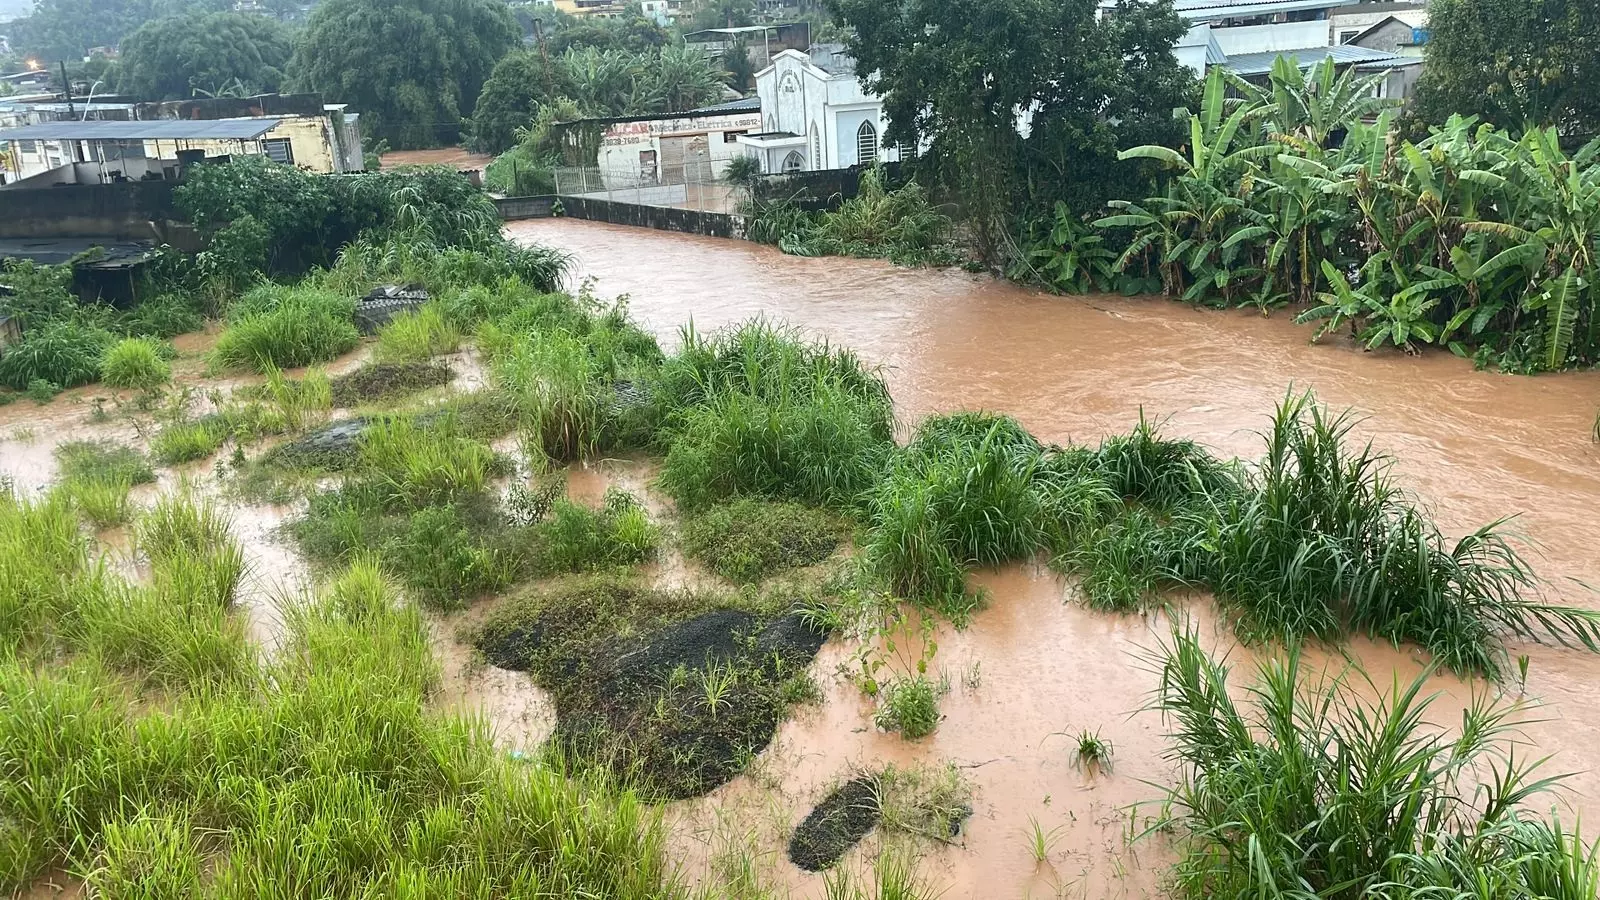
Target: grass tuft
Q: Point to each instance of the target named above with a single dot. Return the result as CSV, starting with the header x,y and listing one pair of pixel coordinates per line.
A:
x,y
135,363
285,327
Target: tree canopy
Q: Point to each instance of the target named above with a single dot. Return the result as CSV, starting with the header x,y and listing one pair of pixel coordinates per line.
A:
x,y
180,56
1515,63
413,68
596,82
67,29
1022,103
633,34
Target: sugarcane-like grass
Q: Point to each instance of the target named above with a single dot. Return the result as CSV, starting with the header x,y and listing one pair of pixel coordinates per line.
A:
x,y
1303,788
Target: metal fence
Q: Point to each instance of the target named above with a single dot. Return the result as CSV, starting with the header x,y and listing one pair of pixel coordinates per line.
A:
x,y
689,186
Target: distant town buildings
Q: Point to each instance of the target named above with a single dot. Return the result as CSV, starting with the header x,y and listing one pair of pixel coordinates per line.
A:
x,y
1247,37
45,142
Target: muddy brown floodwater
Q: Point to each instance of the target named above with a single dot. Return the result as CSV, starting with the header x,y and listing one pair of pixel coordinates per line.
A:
x,y
1473,446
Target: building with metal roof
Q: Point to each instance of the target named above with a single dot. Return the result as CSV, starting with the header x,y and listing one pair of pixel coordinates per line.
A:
x,y
158,130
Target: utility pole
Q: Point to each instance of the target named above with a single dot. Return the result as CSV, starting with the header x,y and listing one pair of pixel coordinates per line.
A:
x,y
66,86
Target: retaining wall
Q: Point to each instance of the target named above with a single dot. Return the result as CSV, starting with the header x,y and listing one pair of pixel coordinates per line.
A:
x,y
661,218
136,210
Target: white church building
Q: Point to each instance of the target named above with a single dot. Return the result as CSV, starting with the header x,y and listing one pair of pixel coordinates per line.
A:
x,y
815,115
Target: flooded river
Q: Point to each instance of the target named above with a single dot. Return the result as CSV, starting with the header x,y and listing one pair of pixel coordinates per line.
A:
x,y
1473,446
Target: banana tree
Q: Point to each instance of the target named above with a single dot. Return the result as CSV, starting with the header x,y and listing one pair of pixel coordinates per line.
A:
x,y
1562,212
1189,227
1311,105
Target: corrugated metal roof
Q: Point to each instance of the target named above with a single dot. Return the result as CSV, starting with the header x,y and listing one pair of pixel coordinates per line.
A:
x,y
1343,55
155,130
748,104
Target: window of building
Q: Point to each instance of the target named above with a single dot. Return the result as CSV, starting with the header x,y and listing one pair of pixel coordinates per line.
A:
x,y
1346,37
866,144
794,162
30,146
278,150
731,137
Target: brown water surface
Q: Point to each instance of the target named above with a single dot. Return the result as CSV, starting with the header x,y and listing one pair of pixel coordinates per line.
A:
x,y
1473,446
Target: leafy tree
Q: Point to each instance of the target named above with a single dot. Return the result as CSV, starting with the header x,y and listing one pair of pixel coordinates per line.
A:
x,y
1022,103
67,29
596,82
741,72
723,14
520,85
1516,63
634,34
176,57
413,68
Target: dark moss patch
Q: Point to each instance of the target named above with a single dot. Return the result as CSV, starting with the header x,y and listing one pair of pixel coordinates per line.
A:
x,y
749,540
386,381
841,820
334,447
678,691
103,461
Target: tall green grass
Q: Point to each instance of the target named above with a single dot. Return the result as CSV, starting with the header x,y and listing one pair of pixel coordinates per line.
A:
x,y
135,363
285,327
1322,541
962,494
325,776
1306,789
759,410
417,336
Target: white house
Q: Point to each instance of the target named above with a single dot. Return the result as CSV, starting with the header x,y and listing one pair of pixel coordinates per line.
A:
x,y
815,115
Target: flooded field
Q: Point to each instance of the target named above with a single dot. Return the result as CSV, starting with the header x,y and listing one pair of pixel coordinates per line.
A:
x,y
1033,668
1474,446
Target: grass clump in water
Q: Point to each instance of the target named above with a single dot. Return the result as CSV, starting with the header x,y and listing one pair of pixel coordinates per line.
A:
x,y
97,477
749,540
570,369
962,494
282,327
909,705
102,461
1310,788
760,411
680,691
413,337
135,363
1321,542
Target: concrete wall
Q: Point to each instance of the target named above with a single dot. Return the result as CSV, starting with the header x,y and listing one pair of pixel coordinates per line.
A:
x,y
134,211
687,221
514,208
